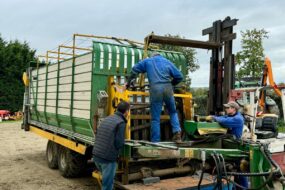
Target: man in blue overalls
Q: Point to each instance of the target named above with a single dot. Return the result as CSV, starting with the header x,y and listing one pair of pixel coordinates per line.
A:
x,y
162,76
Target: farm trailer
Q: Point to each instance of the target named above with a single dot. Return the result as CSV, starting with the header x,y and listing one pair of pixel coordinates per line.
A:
x,y
65,102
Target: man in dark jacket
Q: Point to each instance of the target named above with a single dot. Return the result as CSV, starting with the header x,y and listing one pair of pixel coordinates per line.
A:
x,y
162,76
109,140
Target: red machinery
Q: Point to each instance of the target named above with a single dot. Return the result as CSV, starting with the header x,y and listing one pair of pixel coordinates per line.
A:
x,y
4,114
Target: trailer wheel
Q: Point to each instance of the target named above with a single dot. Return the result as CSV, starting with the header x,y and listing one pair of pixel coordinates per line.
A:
x,y
52,154
70,163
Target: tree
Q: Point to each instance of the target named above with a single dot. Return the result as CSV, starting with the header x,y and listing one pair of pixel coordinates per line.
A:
x,y
14,59
251,57
200,98
189,54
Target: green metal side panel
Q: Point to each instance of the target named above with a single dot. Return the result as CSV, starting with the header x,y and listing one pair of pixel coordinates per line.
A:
x,y
107,60
192,127
81,125
75,124
45,106
258,163
118,60
57,95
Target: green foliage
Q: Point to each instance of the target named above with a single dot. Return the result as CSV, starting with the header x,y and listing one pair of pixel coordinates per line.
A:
x,y
189,54
251,57
200,96
14,59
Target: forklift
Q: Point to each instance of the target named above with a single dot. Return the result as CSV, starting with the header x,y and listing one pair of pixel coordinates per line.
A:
x,y
206,148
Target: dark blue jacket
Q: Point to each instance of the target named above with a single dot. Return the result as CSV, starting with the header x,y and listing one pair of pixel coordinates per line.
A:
x,y
110,138
159,70
233,122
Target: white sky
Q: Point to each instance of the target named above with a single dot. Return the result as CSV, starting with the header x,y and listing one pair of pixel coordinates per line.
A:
x,y
46,24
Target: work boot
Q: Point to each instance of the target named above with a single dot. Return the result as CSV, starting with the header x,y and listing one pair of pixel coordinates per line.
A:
x,y
177,137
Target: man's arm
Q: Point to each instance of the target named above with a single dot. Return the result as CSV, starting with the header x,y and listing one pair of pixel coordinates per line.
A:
x,y
228,122
120,135
175,74
140,67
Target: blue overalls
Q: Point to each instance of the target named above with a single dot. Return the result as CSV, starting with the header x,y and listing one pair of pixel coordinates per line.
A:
x,y
162,76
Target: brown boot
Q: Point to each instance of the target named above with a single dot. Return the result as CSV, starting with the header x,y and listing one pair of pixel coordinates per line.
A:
x,y
177,137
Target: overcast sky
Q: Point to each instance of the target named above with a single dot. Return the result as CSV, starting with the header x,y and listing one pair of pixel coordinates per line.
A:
x,y
46,24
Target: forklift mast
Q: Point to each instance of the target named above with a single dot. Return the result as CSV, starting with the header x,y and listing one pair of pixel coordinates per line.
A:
x,y
222,66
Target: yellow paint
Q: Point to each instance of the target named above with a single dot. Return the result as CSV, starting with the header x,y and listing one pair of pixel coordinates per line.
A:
x,y
77,147
145,117
111,94
25,79
189,153
188,95
97,175
118,93
187,106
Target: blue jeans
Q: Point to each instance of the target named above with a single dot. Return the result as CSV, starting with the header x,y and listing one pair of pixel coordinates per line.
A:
x,y
160,93
242,180
108,172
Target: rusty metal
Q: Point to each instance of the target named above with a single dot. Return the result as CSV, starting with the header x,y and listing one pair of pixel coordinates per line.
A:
x,y
162,172
148,117
78,48
140,127
222,69
182,42
142,142
48,57
58,52
131,42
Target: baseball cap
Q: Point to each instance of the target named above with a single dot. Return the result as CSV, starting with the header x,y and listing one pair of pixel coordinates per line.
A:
x,y
232,104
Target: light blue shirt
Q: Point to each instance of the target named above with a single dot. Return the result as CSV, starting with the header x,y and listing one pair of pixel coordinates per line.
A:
x,y
159,70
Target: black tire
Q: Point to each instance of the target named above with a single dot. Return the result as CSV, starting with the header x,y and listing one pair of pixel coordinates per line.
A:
x,y
70,163
52,155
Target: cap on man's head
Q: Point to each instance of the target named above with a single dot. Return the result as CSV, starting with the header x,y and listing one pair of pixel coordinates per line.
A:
x,y
232,104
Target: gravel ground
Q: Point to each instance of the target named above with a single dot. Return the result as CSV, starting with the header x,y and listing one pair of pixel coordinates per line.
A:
x,y
23,164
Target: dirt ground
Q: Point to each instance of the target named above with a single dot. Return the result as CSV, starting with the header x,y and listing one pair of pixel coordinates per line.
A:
x,y
23,164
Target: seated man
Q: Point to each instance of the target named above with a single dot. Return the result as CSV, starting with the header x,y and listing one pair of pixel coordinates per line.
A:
x,y
233,120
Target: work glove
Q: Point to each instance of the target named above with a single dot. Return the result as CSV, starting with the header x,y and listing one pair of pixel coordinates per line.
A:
x,y
130,84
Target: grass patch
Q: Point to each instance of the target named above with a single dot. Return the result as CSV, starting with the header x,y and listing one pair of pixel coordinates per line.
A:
x,y
10,121
281,125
